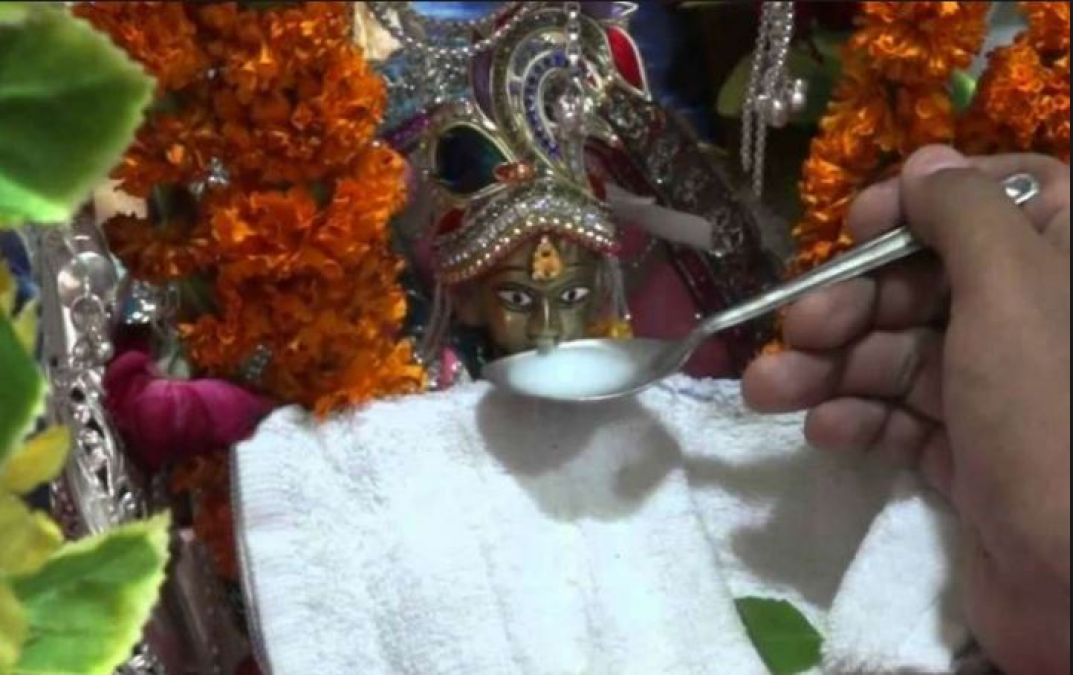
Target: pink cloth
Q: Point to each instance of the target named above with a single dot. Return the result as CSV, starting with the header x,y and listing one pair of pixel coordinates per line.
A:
x,y
163,419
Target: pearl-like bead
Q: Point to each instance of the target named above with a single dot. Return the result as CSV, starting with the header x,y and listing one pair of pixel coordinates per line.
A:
x,y
798,95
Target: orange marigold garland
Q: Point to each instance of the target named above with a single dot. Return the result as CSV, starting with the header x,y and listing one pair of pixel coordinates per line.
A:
x,y
892,99
1022,100
293,239
157,34
266,186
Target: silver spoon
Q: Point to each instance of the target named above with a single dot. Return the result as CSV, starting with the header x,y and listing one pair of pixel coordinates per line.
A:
x,y
593,370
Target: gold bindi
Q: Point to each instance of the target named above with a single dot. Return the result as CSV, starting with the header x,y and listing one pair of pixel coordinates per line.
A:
x,y
547,264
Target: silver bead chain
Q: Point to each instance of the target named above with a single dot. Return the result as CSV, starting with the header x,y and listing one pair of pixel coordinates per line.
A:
x,y
408,16
573,41
771,96
571,108
752,90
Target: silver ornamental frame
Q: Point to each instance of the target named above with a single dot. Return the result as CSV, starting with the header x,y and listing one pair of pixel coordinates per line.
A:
x,y
190,629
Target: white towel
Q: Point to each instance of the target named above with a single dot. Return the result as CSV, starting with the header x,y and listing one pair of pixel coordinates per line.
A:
x,y
470,532
923,537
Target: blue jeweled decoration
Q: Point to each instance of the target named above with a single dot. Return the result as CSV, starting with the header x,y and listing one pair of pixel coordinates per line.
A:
x,y
669,39
532,103
13,253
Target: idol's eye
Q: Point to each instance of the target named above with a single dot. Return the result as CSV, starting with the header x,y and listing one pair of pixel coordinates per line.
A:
x,y
515,298
574,295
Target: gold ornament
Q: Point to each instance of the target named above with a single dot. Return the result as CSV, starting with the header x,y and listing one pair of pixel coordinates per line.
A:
x,y
547,264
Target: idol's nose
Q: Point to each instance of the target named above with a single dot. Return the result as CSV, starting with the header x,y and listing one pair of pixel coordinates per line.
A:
x,y
544,329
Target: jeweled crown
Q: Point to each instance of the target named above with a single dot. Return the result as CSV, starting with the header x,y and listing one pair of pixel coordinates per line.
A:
x,y
508,161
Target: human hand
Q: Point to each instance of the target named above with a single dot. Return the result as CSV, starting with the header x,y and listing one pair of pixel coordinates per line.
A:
x,y
957,362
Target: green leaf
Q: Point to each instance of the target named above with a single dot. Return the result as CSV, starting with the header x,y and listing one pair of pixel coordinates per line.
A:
x,y
829,43
732,93
25,325
8,289
38,461
962,89
12,13
70,102
782,635
29,537
25,322
12,628
22,393
87,605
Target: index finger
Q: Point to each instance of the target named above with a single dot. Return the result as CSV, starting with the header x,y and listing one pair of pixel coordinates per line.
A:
x,y
878,208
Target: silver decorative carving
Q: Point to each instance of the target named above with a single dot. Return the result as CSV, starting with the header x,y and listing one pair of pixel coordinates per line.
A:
x,y
78,285
99,488
686,178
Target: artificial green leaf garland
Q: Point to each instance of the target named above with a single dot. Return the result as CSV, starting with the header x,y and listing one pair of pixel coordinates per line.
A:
x,y
70,102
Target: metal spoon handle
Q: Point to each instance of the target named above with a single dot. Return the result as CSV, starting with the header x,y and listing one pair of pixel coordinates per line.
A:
x,y
893,245
887,248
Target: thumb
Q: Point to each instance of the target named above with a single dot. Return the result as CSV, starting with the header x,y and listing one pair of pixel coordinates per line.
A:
x,y
966,217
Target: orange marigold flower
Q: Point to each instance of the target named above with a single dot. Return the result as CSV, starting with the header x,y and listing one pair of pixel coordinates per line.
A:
x,y
918,42
890,100
1018,105
157,34
248,224
363,203
1048,25
217,346
1022,100
859,127
855,135
925,115
304,270
156,253
316,286
171,148
296,246
351,105
269,138
364,377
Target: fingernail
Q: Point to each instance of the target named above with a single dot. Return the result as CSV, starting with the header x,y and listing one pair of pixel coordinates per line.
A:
x,y
932,158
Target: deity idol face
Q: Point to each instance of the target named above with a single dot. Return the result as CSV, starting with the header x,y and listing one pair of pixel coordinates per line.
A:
x,y
544,292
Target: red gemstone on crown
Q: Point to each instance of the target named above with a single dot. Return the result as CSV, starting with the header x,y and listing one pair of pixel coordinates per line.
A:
x,y
624,53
